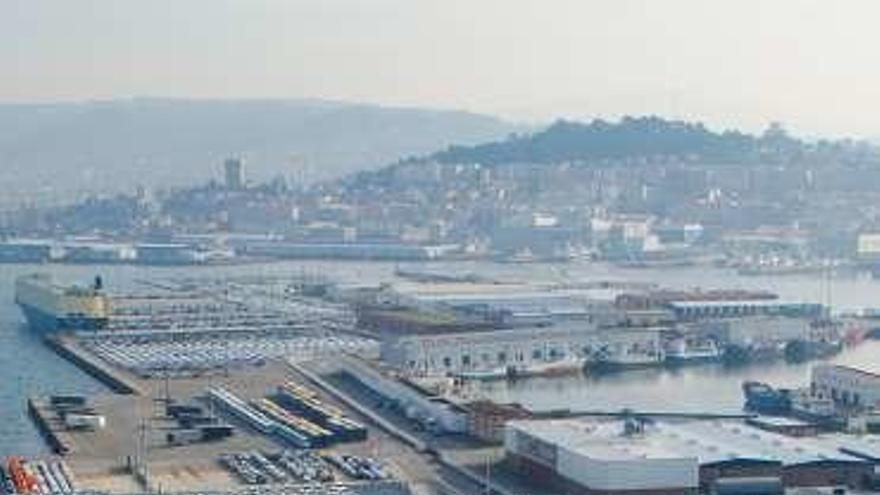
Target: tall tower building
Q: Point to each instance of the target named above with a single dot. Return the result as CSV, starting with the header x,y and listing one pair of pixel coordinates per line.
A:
x,y
234,171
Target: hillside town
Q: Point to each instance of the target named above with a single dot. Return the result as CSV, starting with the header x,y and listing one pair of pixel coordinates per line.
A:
x,y
766,204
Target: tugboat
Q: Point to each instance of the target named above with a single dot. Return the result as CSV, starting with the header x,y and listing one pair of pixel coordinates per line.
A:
x,y
764,399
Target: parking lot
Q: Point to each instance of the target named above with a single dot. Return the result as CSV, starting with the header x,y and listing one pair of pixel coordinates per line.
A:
x,y
302,466
192,356
387,488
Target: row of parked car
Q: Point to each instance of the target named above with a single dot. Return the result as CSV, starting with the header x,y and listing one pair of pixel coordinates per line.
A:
x,y
287,466
306,466
360,468
253,468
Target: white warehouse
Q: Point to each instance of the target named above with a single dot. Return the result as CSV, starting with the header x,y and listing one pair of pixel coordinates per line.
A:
x,y
520,350
582,457
579,457
846,386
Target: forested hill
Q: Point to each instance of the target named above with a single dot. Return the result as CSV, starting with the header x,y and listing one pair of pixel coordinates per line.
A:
x,y
630,137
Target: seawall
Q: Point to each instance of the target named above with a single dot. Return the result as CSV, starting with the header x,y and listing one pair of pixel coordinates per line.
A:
x,y
114,380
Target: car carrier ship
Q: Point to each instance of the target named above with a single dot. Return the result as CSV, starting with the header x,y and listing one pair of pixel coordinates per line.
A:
x,y
51,307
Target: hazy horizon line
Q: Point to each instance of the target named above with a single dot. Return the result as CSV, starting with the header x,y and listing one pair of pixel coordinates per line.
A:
x,y
533,123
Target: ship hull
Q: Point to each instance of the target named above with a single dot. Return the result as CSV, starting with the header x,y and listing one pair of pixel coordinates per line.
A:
x,y
610,365
43,322
686,360
485,375
536,369
764,399
693,357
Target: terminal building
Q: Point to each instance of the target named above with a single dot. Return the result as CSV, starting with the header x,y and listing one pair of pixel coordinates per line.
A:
x,y
433,412
525,308
697,310
761,330
845,386
27,251
669,458
580,458
487,331
521,351
352,251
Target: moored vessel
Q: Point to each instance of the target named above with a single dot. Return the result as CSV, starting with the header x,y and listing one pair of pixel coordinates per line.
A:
x,y
49,307
560,366
764,399
624,357
681,351
497,373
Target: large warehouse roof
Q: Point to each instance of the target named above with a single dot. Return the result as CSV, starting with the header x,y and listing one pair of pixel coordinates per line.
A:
x,y
598,440
709,442
717,441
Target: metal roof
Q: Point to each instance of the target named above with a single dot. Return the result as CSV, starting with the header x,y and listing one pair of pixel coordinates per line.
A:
x,y
709,442
715,441
599,440
773,303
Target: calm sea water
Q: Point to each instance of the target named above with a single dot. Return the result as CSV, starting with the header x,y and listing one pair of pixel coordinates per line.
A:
x,y
30,369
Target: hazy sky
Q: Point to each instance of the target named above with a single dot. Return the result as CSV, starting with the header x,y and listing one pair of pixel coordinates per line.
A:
x,y
812,64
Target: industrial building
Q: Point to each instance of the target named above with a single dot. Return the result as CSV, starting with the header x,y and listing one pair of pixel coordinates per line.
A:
x,y
233,172
761,330
577,457
486,419
435,413
846,386
27,251
354,251
582,457
525,307
696,310
488,330
166,254
529,350
661,298
868,249
472,307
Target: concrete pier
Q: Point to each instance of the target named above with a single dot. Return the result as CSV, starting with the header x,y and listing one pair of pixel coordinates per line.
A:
x,y
48,426
113,379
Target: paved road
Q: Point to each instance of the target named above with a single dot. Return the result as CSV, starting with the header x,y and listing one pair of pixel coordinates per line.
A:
x,y
423,470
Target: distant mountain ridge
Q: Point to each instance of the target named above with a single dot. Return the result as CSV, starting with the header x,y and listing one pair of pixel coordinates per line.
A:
x,y
630,137
117,144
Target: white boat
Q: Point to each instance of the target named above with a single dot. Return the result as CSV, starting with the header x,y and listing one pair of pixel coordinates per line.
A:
x,y
682,351
807,406
546,368
535,368
485,374
523,256
622,356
